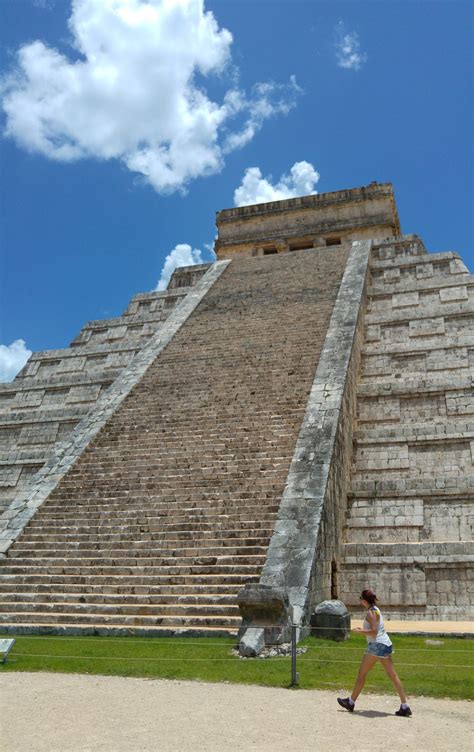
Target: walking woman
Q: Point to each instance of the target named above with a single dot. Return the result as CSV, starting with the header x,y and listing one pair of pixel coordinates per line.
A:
x,y
379,648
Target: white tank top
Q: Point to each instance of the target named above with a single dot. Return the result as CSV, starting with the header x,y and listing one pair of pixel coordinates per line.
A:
x,y
381,636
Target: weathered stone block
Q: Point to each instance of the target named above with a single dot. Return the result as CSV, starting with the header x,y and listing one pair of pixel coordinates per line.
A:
x,y
425,327
263,605
405,300
449,294
457,266
252,642
331,620
9,475
424,271
391,275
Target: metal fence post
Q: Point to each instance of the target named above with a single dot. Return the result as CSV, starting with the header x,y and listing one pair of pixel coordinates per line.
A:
x,y
294,674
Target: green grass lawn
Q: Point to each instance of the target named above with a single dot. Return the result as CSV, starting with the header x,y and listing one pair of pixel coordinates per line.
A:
x,y
440,670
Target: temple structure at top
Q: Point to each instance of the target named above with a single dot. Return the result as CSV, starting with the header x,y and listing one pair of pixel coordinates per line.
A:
x,y
315,221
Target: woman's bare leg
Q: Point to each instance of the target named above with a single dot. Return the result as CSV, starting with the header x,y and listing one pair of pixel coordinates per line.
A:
x,y
387,663
368,662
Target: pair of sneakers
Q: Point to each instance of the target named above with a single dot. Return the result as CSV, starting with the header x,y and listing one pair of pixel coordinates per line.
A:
x,y
348,704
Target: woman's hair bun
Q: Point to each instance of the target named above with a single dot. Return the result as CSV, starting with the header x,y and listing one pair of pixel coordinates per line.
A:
x,y
369,596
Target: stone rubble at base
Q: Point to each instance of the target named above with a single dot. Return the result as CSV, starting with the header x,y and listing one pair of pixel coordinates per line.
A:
x,y
270,651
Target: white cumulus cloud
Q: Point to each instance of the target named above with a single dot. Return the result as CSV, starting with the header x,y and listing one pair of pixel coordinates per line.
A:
x,y
266,99
255,189
181,255
12,359
133,89
348,50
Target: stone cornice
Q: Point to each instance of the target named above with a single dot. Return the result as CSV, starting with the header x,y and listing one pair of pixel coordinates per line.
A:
x,y
320,200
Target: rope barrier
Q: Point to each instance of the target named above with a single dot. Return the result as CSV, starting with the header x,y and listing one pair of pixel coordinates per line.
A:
x,y
399,650
418,665
151,641
158,642
120,658
222,660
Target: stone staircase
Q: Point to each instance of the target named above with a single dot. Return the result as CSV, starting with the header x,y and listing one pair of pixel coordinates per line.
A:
x,y
410,525
57,388
169,510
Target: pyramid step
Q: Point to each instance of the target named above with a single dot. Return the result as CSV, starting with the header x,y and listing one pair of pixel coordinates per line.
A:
x,y
141,548
116,610
145,468
170,620
136,571
157,489
120,588
110,496
131,582
235,516
166,525
157,511
254,526
121,630
106,486
146,555
124,510
7,600
123,538
126,563
93,526
152,516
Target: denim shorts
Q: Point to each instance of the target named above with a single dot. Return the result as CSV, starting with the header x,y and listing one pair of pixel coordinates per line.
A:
x,y
379,650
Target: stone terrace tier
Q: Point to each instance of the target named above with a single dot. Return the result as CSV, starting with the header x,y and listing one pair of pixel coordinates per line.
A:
x,y
410,525
57,388
168,512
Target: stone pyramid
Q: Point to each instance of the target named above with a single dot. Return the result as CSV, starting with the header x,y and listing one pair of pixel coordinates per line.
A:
x,y
296,418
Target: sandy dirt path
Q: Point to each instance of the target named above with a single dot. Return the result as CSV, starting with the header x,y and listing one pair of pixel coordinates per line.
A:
x,y
42,712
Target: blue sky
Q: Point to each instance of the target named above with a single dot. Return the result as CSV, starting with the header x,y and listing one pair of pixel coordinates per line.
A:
x,y
123,135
